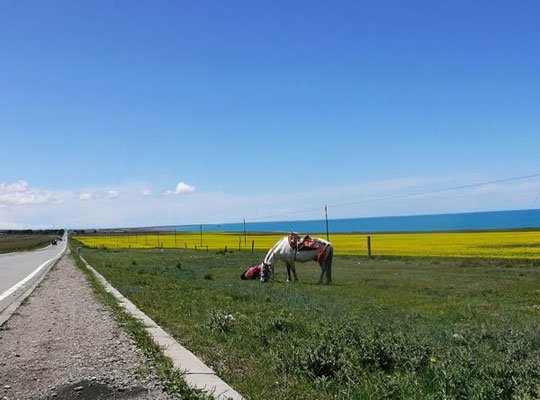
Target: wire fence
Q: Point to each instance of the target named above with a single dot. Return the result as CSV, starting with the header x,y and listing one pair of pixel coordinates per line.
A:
x,y
365,242
524,244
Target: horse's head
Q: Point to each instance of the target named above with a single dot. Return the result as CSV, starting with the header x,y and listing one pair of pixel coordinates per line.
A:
x,y
266,271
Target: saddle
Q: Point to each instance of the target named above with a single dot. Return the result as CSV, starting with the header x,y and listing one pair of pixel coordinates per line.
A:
x,y
302,243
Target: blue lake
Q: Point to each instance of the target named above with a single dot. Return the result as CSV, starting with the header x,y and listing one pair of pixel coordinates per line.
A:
x,y
515,219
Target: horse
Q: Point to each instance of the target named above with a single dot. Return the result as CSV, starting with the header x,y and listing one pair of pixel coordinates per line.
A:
x,y
294,248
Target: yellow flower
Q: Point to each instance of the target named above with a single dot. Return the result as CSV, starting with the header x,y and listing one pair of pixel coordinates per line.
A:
x,y
433,359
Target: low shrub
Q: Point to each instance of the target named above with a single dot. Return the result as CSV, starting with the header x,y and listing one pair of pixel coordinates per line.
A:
x,y
477,363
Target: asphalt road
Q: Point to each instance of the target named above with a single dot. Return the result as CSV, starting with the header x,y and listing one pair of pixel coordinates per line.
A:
x,y
14,267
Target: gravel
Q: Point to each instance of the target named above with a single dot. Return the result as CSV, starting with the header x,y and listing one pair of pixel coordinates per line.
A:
x,y
62,343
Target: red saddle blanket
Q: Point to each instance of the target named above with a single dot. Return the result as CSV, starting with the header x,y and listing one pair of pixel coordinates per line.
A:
x,y
302,243
252,272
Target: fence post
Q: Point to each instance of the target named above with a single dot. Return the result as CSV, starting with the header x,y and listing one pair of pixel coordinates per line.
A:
x,y
225,248
195,247
201,234
369,246
185,245
239,243
252,246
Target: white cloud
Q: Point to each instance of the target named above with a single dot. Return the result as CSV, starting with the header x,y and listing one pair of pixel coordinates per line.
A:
x,y
20,194
19,186
181,188
113,194
184,188
98,194
145,192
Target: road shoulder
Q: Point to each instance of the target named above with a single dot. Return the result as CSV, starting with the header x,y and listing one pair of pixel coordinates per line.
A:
x,y
63,343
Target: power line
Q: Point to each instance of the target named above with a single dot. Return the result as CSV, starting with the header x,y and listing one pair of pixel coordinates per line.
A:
x,y
395,197
436,190
284,213
402,196
535,200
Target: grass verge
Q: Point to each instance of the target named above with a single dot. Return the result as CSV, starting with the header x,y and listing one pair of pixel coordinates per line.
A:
x,y
171,378
388,328
13,243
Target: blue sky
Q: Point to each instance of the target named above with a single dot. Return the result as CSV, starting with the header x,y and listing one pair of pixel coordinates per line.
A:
x,y
262,107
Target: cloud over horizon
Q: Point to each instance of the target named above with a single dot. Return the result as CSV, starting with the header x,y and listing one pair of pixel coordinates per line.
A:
x,y
21,194
131,204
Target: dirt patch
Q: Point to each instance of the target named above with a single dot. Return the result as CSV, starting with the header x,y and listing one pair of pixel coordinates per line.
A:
x,y
92,390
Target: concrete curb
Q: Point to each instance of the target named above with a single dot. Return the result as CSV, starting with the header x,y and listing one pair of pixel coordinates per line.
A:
x,y
196,373
23,289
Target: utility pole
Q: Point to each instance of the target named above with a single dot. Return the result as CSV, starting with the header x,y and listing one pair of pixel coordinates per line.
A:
x,y
326,217
245,238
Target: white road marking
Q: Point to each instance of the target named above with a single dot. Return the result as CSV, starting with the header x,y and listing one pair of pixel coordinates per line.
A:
x,y
17,286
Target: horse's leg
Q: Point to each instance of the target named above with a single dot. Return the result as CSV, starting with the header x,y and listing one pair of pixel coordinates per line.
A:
x,y
288,271
328,265
322,273
293,267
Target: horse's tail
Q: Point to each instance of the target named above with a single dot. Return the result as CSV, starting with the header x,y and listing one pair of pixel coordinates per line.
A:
x,y
328,264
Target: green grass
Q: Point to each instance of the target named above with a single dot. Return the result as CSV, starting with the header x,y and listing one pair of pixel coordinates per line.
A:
x,y
9,243
388,328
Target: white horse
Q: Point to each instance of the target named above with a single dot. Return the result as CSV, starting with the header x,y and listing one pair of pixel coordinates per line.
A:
x,y
302,250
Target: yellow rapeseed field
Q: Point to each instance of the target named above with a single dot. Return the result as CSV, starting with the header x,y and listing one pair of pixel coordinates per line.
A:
x,y
509,244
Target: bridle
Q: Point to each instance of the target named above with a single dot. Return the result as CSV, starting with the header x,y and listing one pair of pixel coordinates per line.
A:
x,y
266,270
